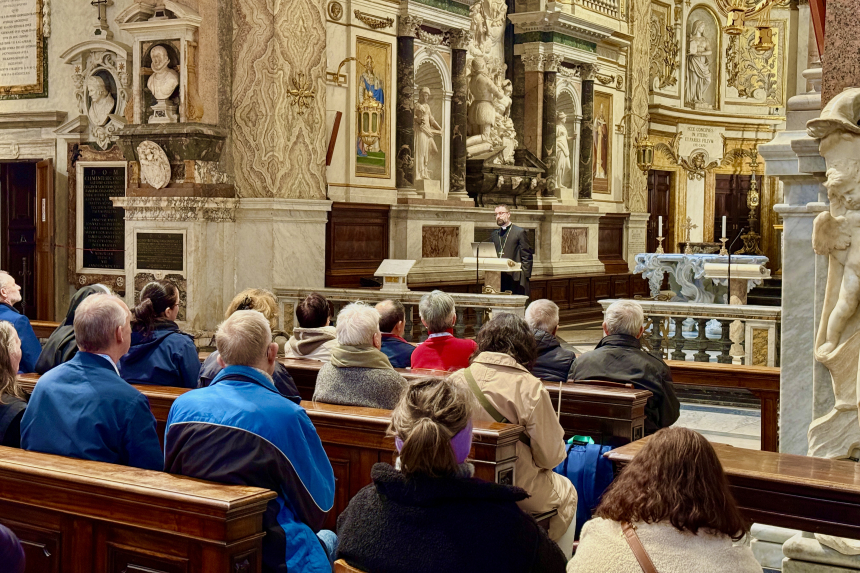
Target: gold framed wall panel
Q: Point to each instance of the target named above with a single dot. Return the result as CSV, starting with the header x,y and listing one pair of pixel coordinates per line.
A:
x,y
603,124
40,87
376,161
750,67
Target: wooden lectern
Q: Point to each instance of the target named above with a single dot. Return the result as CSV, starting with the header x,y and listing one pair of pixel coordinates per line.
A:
x,y
493,268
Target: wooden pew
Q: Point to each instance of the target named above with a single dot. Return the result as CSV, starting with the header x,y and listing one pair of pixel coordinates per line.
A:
x,y
798,492
86,517
762,381
43,328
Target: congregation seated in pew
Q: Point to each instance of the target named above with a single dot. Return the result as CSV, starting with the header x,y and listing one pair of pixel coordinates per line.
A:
x,y
61,346
554,363
83,408
264,302
442,350
674,497
241,430
619,357
13,399
160,353
500,380
359,374
392,325
425,514
314,337
10,294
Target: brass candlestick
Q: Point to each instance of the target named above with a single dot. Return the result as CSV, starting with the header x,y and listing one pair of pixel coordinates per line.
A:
x,y
723,250
659,250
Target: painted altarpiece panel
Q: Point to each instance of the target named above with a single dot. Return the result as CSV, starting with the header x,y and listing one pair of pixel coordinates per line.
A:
x,y
602,169
373,100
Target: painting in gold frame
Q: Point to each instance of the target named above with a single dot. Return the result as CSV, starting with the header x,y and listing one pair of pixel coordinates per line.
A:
x,y
602,167
373,96
23,66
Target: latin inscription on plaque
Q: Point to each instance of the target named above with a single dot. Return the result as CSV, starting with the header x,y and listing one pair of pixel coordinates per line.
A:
x,y
104,224
19,41
160,251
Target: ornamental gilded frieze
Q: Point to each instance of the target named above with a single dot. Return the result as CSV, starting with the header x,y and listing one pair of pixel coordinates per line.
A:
x,y
665,53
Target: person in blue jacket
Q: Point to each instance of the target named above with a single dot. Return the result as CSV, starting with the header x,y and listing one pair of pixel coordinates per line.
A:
x,y
10,294
82,408
392,325
241,430
160,353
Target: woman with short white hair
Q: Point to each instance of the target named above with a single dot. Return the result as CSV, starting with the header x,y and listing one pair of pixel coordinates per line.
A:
x,y
359,374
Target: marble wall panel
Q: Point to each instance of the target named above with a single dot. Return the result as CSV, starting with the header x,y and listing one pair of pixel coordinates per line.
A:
x,y
574,240
440,242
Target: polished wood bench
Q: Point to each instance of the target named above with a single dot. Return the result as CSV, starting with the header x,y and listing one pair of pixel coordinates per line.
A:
x,y
762,381
798,492
86,517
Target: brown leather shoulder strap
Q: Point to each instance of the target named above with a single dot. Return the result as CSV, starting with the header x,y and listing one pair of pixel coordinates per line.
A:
x,y
638,549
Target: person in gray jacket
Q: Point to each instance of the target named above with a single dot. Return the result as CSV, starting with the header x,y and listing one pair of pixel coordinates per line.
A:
x,y
359,374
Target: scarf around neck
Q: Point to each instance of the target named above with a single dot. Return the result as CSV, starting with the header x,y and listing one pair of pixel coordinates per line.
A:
x,y
358,357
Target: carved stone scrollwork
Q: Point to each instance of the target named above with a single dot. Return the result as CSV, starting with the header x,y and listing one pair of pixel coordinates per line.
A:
x,y
605,79
459,39
373,22
407,25
665,54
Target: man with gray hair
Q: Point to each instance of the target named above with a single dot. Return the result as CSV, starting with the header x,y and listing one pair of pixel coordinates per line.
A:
x,y
619,358
359,374
10,294
554,363
240,430
82,408
441,350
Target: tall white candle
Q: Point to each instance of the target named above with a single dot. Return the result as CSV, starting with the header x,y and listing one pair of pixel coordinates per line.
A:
x,y
660,226
724,227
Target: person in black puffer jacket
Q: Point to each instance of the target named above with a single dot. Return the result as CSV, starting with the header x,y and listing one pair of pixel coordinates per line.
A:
x,y
554,363
428,514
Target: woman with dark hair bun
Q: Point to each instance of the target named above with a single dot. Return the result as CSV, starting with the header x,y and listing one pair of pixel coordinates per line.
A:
x,y
674,498
427,513
500,380
160,353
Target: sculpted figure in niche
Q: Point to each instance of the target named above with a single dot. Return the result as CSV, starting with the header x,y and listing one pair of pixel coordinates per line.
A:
x,y
482,112
101,100
154,166
600,143
698,64
164,79
562,150
426,128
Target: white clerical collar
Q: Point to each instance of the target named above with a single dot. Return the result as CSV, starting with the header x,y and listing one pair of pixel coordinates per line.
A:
x,y
112,363
505,227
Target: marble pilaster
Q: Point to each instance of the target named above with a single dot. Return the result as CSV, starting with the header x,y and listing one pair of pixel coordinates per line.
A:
x,y
534,94
459,113
518,97
586,133
548,151
405,170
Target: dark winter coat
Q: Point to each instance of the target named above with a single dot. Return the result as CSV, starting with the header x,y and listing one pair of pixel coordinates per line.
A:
x,y
517,248
11,411
164,357
398,351
284,383
620,358
62,346
428,525
554,363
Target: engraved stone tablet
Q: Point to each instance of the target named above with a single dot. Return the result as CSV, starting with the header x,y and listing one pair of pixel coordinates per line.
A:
x,y
103,224
160,251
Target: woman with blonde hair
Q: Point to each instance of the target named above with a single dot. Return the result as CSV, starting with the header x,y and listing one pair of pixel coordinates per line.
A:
x,y
13,399
673,500
427,513
266,304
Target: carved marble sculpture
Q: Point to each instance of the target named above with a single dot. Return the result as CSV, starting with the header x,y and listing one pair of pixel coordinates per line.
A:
x,y
154,166
562,151
484,91
698,64
102,103
162,83
836,233
426,128
601,137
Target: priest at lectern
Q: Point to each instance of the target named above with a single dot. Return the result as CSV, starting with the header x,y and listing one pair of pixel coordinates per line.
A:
x,y
512,243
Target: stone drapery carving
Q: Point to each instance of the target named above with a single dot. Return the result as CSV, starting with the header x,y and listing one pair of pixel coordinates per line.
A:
x,y
665,51
699,54
154,165
836,234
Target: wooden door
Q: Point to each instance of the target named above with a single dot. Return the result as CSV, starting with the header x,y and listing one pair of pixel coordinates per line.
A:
x,y
45,240
730,199
18,229
659,198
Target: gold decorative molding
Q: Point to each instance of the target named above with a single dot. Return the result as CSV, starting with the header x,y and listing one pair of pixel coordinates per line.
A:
x,y
757,76
665,51
694,165
301,93
373,22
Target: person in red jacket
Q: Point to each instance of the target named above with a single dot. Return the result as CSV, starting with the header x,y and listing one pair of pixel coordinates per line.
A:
x,y
441,350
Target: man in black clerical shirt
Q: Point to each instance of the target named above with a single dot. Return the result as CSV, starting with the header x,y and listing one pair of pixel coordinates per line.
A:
x,y
512,243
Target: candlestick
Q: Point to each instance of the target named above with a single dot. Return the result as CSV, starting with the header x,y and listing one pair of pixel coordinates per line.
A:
x,y
723,250
660,225
724,226
659,250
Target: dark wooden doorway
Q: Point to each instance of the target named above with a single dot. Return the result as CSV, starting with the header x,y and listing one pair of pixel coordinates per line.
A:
x,y
730,199
659,205
26,233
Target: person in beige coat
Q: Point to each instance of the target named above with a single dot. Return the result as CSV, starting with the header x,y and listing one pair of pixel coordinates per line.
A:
x,y
676,497
499,369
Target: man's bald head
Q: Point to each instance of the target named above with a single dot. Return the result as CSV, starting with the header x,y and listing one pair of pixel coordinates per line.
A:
x,y
392,316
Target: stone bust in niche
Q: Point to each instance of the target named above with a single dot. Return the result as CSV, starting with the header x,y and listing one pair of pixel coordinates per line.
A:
x,y
101,101
163,81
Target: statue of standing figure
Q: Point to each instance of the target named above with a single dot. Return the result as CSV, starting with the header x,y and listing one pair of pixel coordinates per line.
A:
x,y
426,128
562,150
698,64
482,112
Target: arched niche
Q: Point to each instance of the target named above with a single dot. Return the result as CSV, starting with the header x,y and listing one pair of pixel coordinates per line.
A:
x,y
567,101
432,72
702,72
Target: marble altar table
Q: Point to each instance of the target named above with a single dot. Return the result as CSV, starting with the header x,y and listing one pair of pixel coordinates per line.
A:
x,y
687,274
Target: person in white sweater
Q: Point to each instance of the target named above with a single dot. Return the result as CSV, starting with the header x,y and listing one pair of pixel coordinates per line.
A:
x,y
676,497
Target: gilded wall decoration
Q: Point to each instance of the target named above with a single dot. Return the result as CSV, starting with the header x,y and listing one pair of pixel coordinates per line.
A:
x,y
373,22
754,75
276,151
665,52
602,166
373,96
635,192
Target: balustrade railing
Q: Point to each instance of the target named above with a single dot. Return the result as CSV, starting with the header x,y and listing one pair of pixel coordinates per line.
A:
x,y
472,309
608,7
739,334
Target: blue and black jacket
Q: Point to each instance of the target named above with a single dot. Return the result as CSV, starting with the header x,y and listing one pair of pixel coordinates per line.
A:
x,y
30,346
240,430
164,357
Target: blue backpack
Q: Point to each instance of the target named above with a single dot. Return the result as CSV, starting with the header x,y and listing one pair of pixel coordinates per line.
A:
x,y
589,472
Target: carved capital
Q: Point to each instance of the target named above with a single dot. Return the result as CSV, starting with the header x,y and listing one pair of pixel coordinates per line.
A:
x,y
551,62
533,62
459,39
587,71
408,25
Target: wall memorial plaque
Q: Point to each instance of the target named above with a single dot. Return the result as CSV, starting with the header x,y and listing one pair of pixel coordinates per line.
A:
x,y
22,49
103,224
160,251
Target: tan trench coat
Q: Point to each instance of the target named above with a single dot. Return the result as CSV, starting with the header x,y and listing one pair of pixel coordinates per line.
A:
x,y
522,399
